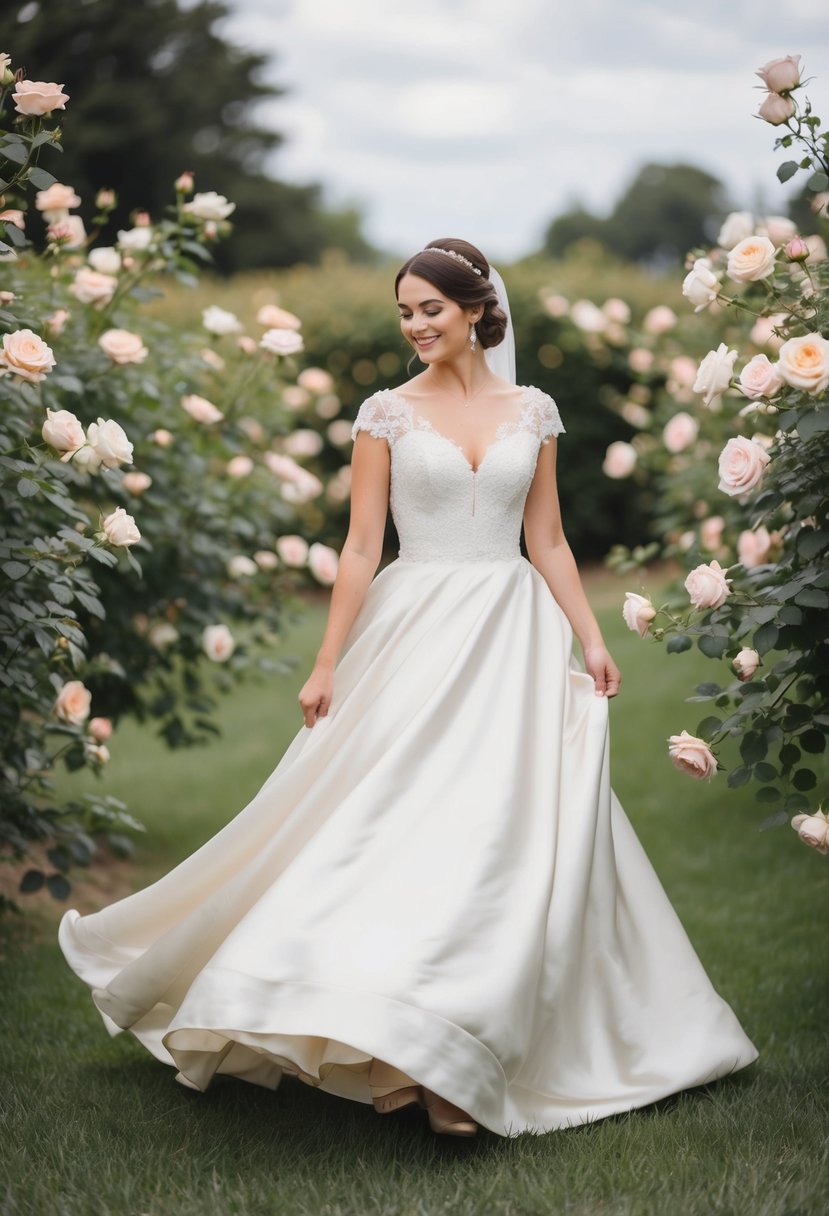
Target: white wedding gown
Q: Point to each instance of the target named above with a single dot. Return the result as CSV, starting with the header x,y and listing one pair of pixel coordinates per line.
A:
x,y
437,873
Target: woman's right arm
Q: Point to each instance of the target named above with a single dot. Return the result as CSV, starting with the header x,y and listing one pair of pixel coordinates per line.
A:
x,y
358,562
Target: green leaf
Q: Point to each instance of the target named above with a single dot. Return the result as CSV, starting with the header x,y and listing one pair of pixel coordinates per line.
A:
x,y
804,779
27,487
709,726
765,772
31,881
15,569
787,170
753,747
712,645
59,886
812,597
810,543
813,423
774,820
678,642
813,741
765,637
40,178
768,794
16,152
818,181
737,777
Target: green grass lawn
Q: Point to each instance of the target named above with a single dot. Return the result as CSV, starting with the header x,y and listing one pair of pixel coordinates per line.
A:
x,y
93,1125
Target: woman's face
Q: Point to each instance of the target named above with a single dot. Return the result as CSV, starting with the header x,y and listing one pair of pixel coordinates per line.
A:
x,y
436,326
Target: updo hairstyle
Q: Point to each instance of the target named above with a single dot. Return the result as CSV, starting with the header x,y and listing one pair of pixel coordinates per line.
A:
x,y
460,283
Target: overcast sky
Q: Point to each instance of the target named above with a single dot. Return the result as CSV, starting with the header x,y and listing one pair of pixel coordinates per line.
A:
x,y
485,118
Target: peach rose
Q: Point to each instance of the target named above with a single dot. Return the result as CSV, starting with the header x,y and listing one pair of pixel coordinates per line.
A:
x,y
680,432
105,199
247,344
778,228
303,442
14,216
26,356
620,459
640,360
162,438
683,370
707,585
736,227
201,409
100,729
303,488
753,547
57,320
817,248
714,375
741,466
760,378
701,286
751,259
692,756
323,562
813,830
659,320
73,703
293,550
217,642
63,431
184,183
212,359
91,287
710,533
209,206
36,97
120,528
746,663
316,380
282,341
105,259
136,482
804,362
776,109
266,559
780,75
68,233
108,440
273,317
239,466
57,198
122,346
638,612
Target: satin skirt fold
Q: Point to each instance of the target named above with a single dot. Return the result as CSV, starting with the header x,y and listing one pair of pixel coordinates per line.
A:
x,y
437,874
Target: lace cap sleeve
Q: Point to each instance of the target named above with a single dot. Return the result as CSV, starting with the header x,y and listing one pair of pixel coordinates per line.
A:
x,y
384,416
544,415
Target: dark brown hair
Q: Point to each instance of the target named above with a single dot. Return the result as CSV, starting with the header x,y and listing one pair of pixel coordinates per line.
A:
x,y
460,283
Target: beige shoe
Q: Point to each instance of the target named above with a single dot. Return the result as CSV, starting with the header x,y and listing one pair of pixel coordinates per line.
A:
x,y
391,1089
445,1117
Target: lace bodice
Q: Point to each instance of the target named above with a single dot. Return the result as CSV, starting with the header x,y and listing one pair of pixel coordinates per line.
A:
x,y
443,509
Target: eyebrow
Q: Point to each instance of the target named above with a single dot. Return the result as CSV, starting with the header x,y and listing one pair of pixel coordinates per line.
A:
x,y
423,303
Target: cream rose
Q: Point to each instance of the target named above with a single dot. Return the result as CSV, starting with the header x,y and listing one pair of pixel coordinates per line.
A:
x,y
120,528
659,320
95,753
135,240
736,227
219,321
57,321
136,482
315,379
588,317
741,466
751,259
105,259
303,442
692,756
162,437
63,431
760,378
239,466
714,374
163,634
109,442
36,97
804,362
638,612
282,341
778,228
701,286
707,585
218,642
266,559
303,488
273,317
73,703
710,533
620,459
680,432
241,566
26,356
91,287
57,198
780,75
67,232
776,109
323,562
813,830
100,729
293,550
122,346
753,547
746,663
209,206
201,409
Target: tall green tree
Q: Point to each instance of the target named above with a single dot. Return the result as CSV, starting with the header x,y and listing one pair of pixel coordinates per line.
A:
x,y
185,98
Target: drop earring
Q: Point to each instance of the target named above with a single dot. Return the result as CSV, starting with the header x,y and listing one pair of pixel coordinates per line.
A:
x,y
473,339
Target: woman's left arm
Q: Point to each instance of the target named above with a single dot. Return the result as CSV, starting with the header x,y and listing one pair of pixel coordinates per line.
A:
x,y
549,552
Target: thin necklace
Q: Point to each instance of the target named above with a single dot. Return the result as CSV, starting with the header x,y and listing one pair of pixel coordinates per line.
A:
x,y
472,398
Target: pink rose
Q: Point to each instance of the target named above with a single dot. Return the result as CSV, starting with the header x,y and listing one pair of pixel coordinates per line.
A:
x,y
316,380
813,830
638,612
303,442
26,356
760,378
293,550
753,547
36,97
184,183
710,533
692,755
247,344
683,370
105,200
13,216
100,729
323,562
797,250
136,482
122,346
68,233
120,529
746,663
266,559
282,341
780,75
239,466
73,703
778,228
741,466
776,109
804,362
659,320
680,432
57,198
707,585
218,642
162,438
303,488
620,459
91,287
751,259
63,431
56,322
201,409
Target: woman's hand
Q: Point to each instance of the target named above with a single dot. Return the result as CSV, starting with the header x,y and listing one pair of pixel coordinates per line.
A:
x,y
604,671
316,693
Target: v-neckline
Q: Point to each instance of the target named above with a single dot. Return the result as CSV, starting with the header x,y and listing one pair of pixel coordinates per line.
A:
x,y
420,421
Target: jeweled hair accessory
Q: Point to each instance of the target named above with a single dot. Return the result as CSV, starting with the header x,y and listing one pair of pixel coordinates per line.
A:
x,y
450,253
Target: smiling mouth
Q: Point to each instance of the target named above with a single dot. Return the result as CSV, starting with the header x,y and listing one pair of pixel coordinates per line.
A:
x,y
427,341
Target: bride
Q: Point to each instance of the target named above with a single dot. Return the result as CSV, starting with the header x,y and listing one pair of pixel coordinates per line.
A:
x,y
435,899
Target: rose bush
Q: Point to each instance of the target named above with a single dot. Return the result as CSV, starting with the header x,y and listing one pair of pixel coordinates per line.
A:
x,y
141,522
